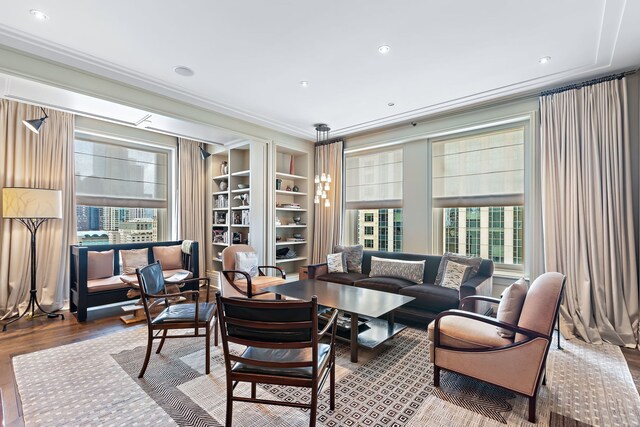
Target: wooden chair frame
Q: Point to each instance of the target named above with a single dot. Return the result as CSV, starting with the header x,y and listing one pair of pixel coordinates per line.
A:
x,y
541,377
230,276
160,331
319,374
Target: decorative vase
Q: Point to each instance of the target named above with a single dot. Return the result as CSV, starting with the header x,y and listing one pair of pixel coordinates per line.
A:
x,y
296,188
224,168
292,169
223,185
278,184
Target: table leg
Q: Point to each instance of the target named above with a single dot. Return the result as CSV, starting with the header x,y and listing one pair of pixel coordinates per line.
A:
x,y
354,337
391,320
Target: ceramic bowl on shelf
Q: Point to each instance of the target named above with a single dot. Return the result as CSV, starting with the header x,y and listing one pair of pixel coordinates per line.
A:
x,y
241,186
297,235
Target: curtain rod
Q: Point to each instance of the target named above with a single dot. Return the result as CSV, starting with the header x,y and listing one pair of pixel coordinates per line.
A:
x,y
592,82
328,142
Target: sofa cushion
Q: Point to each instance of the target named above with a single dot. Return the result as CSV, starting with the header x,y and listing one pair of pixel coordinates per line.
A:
x,y
99,264
473,262
170,257
511,305
134,258
431,297
409,270
337,263
342,278
384,284
354,257
106,284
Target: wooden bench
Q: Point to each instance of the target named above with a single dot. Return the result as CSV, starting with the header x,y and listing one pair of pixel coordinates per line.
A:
x,y
84,293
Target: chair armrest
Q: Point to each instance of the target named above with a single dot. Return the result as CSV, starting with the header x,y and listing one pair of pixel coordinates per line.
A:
x,y
176,294
478,298
228,274
331,322
197,279
485,319
282,273
315,270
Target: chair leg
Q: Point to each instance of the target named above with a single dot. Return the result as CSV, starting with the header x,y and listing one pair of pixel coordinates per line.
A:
x,y
215,331
332,387
544,378
146,358
253,390
532,409
229,417
436,376
164,335
314,406
207,351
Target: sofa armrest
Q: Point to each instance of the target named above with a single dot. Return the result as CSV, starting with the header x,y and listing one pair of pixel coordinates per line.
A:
x,y
477,285
315,270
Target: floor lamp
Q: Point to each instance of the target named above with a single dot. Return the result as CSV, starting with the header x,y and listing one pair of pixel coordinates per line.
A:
x,y
32,207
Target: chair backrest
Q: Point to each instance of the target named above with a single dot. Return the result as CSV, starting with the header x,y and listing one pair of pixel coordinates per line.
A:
x,y
541,305
269,324
229,255
150,279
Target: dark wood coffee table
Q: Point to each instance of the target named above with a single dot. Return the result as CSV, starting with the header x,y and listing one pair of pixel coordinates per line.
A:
x,y
354,301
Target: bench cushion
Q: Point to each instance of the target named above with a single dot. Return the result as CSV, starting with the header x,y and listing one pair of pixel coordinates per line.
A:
x,y
170,257
106,284
99,264
134,258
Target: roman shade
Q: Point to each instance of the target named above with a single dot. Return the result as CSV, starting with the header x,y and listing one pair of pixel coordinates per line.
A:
x,y
374,180
479,170
108,174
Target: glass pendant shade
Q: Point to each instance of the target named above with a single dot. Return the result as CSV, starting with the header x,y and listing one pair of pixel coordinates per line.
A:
x,y
326,203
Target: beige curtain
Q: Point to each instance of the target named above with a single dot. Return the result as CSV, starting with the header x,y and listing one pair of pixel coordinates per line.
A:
x,y
587,210
39,161
192,189
328,221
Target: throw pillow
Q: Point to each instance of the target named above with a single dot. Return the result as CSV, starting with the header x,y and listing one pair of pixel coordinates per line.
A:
x,y
134,258
337,263
170,257
354,257
473,262
408,270
455,275
511,305
99,264
247,262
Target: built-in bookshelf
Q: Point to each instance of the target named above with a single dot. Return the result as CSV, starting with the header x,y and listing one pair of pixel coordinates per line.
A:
x,y
292,216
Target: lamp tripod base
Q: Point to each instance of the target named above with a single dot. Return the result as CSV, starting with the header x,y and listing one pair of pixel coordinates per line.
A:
x,y
33,303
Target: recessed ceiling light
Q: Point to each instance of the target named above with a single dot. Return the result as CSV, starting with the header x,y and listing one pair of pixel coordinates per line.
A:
x,y
183,71
304,83
391,104
39,15
384,49
544,59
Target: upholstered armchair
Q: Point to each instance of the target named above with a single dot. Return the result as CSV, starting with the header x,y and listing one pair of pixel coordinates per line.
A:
x,y
236,282
469,343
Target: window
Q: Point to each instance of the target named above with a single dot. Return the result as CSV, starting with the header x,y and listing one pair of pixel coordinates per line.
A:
x,y
373,184
121,191
478,190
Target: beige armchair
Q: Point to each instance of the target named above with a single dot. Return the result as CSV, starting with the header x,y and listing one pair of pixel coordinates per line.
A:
x,y
248,287
468,343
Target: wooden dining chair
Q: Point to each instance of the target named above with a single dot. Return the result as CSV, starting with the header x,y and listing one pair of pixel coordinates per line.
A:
x,y
197,315
282,347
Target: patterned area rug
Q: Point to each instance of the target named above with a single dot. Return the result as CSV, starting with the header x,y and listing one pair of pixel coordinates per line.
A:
x,y
96,384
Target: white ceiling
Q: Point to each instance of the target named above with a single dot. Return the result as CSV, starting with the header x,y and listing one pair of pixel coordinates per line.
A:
x,y
250,55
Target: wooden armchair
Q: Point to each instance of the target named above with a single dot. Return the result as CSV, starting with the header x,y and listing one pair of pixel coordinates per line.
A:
x,y
282,347
248,287
468,343
197,315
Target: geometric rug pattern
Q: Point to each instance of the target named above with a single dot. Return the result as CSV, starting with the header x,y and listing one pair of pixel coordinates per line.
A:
x,y
95,382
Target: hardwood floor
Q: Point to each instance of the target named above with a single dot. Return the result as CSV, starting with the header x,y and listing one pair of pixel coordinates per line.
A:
x,y
41,333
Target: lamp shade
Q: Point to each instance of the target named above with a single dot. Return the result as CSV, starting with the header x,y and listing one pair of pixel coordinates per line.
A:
x,y
33,125
18,202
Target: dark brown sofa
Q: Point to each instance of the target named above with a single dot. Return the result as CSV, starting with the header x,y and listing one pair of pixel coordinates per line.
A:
x,y
430,300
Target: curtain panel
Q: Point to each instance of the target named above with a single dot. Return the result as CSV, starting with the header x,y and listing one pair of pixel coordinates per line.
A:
x,y
192,196
328,221
587,210
42,160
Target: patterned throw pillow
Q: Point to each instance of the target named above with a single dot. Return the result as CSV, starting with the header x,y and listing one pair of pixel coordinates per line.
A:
x,y
455,275
473,262
354,257
247,262
409,270
337,263
511,305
